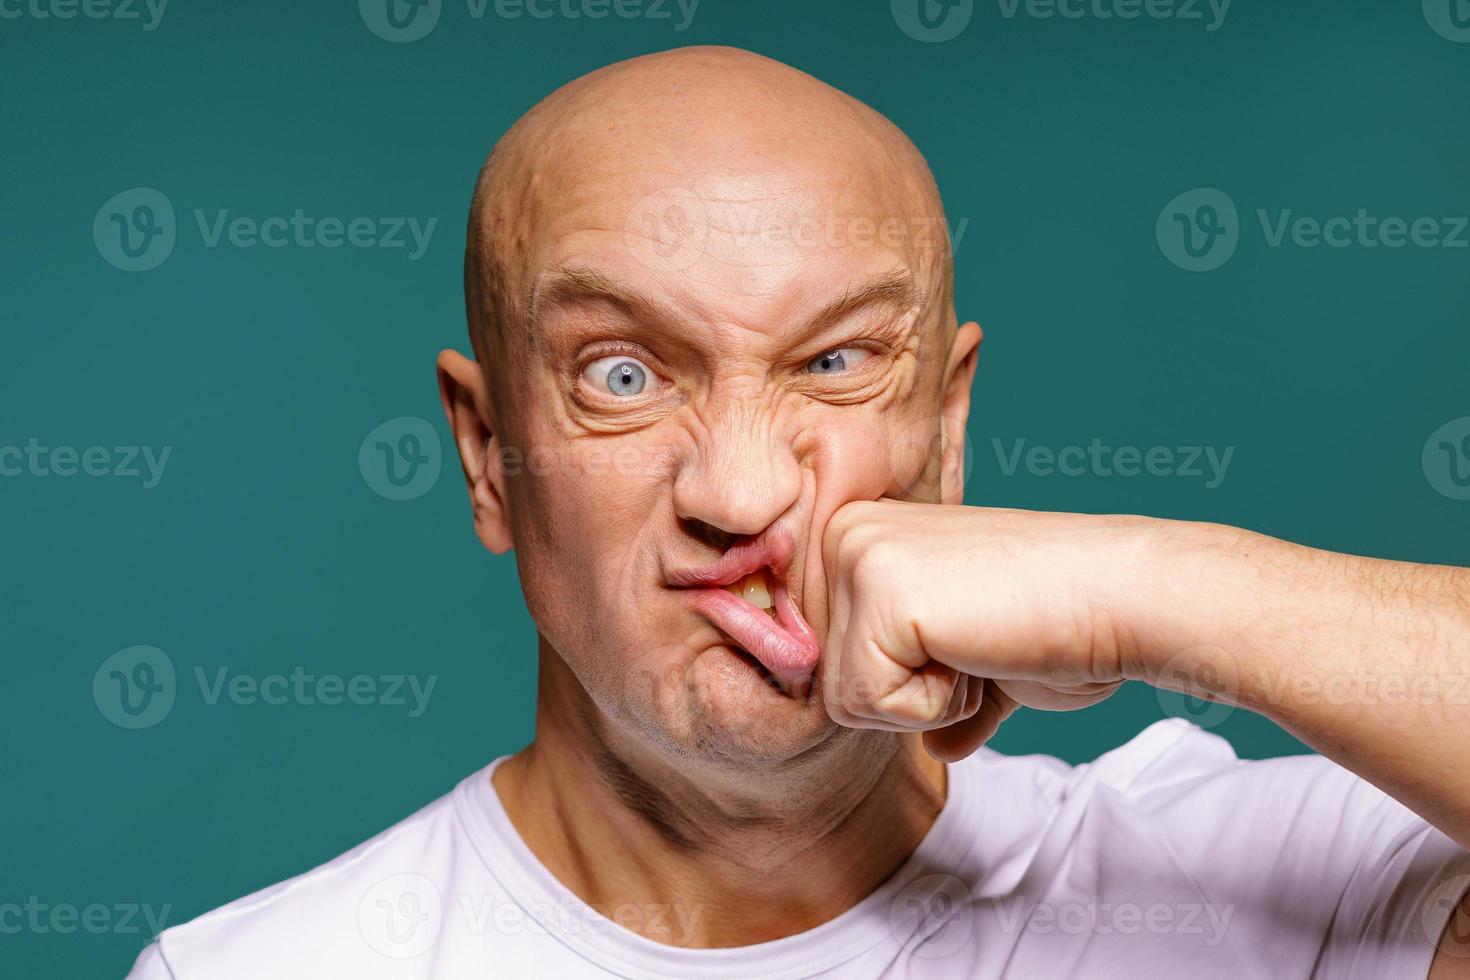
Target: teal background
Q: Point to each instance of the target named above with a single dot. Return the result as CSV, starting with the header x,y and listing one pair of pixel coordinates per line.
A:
x,y
264,548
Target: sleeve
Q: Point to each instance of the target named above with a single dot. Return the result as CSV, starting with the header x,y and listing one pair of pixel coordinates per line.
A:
x,y
150,965
1326,875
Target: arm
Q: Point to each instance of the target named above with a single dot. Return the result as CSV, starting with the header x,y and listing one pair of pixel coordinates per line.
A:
x,y
942,619
1366,661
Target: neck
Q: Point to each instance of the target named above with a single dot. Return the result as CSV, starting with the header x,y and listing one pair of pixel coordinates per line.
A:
x,y
698,856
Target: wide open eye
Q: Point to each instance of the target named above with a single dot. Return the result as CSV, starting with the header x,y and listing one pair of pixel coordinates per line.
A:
x,y
619,375
839,360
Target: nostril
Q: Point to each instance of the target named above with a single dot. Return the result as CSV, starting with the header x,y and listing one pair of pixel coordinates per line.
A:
x,y
708,533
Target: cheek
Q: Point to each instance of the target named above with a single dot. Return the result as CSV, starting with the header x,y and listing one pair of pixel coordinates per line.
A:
x,y
584,512
851,455
863,455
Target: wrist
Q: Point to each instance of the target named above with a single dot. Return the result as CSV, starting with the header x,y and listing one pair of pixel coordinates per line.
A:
x,y
1181,598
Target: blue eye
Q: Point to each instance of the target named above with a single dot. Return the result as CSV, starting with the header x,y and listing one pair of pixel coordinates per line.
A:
x,y
619,375
837,361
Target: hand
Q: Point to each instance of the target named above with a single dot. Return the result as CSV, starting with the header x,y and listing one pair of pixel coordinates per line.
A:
x,y
944,618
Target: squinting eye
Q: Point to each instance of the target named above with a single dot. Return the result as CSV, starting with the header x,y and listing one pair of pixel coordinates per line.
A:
x,y
619,375
837,361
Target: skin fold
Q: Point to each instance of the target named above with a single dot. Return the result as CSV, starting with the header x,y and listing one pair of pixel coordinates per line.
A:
x,y
726,222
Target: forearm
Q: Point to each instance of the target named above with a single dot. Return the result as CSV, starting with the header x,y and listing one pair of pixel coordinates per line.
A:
x,y
1367,661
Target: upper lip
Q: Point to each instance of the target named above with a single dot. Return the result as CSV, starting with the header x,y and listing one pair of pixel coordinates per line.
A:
x,y
771,550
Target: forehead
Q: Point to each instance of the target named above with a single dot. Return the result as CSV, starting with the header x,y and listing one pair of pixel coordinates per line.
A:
x,y
764,247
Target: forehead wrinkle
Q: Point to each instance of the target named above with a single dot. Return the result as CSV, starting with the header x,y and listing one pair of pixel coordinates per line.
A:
x,y
895,289
569,285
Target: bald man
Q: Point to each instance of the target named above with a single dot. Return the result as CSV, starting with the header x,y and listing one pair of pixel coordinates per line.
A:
x,y
716,409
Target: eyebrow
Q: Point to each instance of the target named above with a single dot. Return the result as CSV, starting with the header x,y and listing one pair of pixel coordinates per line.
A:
x,y
571,284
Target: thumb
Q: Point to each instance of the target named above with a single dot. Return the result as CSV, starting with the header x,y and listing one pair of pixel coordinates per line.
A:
x,y
955,742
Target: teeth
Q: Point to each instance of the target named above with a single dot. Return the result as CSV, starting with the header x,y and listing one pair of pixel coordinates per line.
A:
x,y
755,589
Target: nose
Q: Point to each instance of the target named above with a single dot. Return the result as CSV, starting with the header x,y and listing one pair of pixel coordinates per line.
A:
x,y
742,473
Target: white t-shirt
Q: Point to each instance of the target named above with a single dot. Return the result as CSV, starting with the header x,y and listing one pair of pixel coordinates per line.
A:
x,y
1165,857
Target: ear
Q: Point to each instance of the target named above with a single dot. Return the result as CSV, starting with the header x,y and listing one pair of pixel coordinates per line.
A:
x,y
955,411
467,406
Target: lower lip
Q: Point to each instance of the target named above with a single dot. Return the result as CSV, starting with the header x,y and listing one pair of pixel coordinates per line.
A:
x,y
786,647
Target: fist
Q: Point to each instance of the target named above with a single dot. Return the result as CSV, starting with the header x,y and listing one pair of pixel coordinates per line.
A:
x,y
944,618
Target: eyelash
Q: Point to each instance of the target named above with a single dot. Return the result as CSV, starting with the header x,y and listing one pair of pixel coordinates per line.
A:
x,y
874,348
613,349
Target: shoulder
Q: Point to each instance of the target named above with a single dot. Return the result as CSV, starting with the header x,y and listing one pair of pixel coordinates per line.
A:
x,y
1176,785
1167,752
1174,765
327,920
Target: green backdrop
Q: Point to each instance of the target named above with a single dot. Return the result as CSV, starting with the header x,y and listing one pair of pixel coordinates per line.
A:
x,y
1091,160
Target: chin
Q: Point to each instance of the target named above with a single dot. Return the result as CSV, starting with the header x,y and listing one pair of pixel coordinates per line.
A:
x,y
720,706
732,713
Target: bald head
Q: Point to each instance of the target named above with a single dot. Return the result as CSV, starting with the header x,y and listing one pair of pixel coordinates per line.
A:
x,y
702,151
710,298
